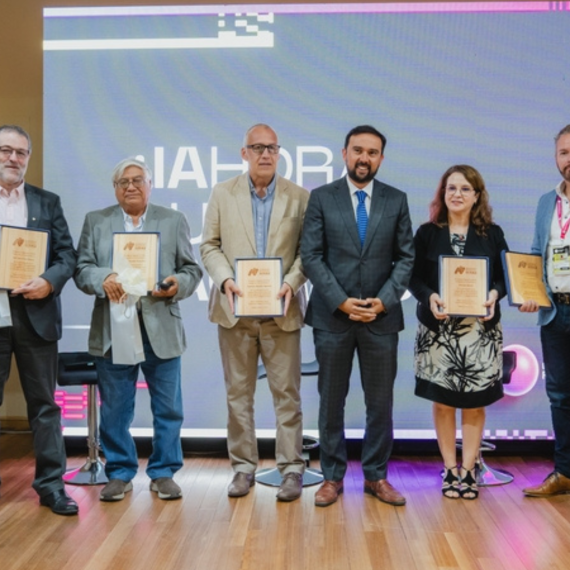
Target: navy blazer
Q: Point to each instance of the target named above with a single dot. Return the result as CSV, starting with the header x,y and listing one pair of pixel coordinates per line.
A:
x,y
45,213
431,241
339,267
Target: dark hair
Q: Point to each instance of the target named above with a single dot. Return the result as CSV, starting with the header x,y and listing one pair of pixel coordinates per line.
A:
x,y
365,129
564,131
481,215
20,131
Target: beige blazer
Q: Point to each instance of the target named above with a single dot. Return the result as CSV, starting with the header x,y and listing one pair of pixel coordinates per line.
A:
x,y
228,233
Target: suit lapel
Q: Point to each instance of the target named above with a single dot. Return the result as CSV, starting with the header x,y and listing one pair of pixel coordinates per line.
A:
x,y
346,209
242,199
280,199
546,222
117,220
34,203
377,207
151,221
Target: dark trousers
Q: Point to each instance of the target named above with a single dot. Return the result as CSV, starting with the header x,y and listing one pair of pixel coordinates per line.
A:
x,y
37,365
377,357
555,338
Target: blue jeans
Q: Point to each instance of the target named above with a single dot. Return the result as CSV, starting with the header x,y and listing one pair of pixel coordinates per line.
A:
x,y
117,386
555,338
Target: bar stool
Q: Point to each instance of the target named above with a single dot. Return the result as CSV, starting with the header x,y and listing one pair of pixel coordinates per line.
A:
x,y
271,476
78,369
491,476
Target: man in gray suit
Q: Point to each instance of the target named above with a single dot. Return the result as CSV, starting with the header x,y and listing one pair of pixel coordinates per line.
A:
x,y
357,250
36,315
161,327
258,214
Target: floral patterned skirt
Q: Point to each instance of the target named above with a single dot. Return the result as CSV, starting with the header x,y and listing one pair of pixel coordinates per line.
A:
x,y
461,365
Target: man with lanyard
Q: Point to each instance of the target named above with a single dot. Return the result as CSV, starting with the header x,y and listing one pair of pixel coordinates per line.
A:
x,y
552,241
259,214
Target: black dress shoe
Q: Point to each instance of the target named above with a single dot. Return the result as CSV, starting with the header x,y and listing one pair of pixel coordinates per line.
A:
x,y
60,503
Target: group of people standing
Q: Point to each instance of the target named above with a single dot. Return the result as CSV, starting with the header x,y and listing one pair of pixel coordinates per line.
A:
x,y
353,240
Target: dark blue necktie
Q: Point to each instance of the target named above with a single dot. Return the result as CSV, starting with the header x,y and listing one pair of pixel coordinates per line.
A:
x,y
361,216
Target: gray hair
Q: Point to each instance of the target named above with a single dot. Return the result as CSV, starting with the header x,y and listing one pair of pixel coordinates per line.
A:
x,y
126,163
20,131
256,126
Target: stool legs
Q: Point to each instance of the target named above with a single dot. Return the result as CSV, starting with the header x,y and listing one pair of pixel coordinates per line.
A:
x,y
93,471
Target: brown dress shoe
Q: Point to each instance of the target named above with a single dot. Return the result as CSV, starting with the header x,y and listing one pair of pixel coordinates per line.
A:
x,y
383,491
554,484
240,484
328,493
291,487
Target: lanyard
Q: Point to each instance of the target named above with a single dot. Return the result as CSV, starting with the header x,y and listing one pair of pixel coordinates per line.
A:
x,y
563,229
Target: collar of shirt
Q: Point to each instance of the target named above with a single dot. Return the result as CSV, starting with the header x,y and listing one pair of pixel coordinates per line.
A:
x,y
17,193
559,190
353,189
128,222
14,207
270,188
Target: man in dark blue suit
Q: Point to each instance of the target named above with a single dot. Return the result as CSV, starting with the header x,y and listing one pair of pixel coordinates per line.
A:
x,y
357,250
35,315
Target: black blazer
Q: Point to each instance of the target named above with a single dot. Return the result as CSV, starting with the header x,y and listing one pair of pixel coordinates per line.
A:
x,y
431,241
45,213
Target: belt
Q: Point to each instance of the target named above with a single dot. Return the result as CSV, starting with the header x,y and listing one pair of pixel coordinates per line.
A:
x,y
562,298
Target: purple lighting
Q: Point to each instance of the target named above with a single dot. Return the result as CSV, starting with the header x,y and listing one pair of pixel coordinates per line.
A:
x,y
525,375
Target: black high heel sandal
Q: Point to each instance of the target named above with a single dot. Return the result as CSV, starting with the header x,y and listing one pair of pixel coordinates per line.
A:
x,y
469,489
450,483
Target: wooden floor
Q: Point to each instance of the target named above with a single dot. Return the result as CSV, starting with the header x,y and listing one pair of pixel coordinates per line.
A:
x,y
208,531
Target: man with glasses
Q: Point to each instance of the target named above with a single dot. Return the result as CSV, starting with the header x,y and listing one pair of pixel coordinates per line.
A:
x,y
31,315
258,214
160,322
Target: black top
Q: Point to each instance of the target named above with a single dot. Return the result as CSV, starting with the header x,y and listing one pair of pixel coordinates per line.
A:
x,y
430,242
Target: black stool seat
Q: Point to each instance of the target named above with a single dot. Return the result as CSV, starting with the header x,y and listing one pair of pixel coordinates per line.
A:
x,y
78,369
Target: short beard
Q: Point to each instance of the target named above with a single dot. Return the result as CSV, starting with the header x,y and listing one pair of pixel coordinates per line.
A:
x,y
361,179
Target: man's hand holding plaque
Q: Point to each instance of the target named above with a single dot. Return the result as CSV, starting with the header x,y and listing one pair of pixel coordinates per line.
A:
x,y
23,258
141,250
258,290
523,276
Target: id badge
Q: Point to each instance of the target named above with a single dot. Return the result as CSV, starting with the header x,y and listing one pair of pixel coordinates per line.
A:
x,y
561,260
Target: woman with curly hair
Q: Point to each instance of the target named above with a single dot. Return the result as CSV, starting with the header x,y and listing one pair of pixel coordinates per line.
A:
x,y
458,360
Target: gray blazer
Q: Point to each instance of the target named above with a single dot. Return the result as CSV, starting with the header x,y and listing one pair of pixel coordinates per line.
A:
x,y
543,220
339,268
45,213
161,316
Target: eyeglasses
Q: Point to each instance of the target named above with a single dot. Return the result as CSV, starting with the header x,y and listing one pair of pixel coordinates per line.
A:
x,y
21,154
260,148
464,190
137,182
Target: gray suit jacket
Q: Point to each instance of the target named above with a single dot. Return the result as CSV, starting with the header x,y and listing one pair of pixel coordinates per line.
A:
x,y
162,318
228,233
339,268
45,213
